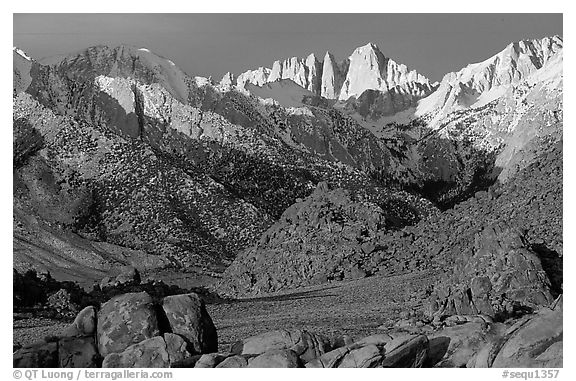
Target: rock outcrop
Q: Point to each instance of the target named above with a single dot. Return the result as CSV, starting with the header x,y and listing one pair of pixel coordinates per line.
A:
x,y
38,355
84,324
129,330
333,75
156,352
276,358
498,277
532,342
78,352
306,345
188,318
304,72
324,237
125,320
369,69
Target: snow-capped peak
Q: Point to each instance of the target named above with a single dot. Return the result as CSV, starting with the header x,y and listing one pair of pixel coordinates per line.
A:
x,y
368,48
369,69
366,69
482,82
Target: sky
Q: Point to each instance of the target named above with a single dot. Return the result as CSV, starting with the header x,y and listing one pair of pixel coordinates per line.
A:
x,y
213,44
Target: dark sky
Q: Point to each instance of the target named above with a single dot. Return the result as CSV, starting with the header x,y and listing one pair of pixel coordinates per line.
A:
x,y
212,44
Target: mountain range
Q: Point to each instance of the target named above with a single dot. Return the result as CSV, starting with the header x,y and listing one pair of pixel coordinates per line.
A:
x,y
121,157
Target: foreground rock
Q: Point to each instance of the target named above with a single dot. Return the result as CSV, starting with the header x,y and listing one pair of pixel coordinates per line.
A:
x,y
235,361
401,350
125,320
276,358
406,352
210,360
78,352
84,324
305,344
363,357
473,341
157,352
188,317
37,355
533,342
453,347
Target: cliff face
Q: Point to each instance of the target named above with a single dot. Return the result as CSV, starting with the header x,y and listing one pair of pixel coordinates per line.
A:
x,y
369,69
333,75
479,83
366,69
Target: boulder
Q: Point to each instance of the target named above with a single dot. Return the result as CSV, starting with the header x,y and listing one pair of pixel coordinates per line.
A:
x,y
176,346
340,341
210,360
126,320
37,355
235,361
157,352
355,273
552,357
380,340
84,324
150,353
367,352
276,358
188,362
452,347
523,347
107,282
305,344
368,356
406,351
353,356
329,359
129,275
78,352
188,317
533,341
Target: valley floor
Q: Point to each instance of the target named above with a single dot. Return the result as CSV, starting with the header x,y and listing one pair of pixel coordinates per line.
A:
x,y
354,308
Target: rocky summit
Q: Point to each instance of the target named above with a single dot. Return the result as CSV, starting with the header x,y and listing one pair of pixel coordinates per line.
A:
x,y
316,213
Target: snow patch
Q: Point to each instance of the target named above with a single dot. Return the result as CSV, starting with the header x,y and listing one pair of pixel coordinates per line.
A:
x,y
202,81
489,96
21,53
118,88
